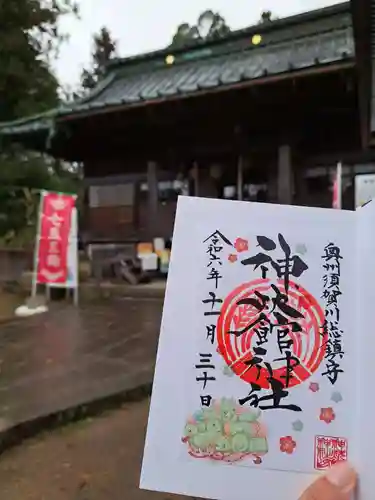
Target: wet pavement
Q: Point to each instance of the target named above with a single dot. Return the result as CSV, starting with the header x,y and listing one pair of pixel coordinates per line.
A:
x,y
96,459
72,356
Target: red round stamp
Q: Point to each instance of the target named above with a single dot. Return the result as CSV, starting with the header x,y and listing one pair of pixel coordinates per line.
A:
x,y
307,341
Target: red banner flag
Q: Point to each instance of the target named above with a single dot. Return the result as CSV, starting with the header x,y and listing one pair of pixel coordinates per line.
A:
x,y
53,239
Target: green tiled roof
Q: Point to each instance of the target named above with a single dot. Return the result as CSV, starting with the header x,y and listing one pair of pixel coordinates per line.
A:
x,y
214,72
278,30
36,123
44,122
299,42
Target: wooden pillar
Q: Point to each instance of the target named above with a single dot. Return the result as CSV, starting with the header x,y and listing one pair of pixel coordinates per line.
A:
x,y
285,181
86,207
272,183
196,178
302,195
240,178
137,205
153,198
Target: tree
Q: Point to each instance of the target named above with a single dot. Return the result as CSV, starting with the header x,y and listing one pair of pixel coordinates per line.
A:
x,y
210,26
104,49
22,176
266,17
185,35
30,37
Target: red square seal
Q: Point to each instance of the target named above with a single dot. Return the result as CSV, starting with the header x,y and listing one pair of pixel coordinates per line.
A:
x,y
329,451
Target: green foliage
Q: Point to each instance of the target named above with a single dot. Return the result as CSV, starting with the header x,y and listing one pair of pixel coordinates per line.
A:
x,y
185,36
30,37
22,176
104,49
266,17
210,26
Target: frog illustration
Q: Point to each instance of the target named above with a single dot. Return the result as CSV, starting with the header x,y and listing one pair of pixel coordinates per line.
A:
x,y
189,431
209,413
202,427
228,409
228,429
238,427
199,415
240,443
214,426
249,416
258,445
204,442
224,444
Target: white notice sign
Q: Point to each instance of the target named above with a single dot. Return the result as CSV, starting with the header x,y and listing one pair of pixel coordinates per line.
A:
x,y
364,189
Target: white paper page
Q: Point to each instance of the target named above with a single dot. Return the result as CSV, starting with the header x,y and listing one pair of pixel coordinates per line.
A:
x,y
366,360
214,430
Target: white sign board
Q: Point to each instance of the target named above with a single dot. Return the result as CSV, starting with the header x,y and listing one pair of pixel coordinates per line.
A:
x,y
72,281
364,189
256,389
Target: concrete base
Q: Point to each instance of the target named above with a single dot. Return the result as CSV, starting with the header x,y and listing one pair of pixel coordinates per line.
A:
x,y
92,290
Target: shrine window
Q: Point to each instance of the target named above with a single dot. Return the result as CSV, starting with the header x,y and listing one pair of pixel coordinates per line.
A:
x,y
117,195
168,191
251,192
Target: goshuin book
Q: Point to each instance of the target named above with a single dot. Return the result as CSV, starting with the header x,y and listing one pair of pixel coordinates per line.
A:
x,y
264,367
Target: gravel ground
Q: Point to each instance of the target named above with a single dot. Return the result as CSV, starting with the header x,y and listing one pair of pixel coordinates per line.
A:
x,y
97,459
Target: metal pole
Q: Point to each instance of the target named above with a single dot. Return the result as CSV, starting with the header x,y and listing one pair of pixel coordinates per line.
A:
x,y
75,296
76,256
75,291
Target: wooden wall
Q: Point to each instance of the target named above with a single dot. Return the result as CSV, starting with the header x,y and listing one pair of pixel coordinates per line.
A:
x,y
111,222
117,210
110,211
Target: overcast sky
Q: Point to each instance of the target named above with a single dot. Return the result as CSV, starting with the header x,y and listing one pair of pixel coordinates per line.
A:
x,y
145,25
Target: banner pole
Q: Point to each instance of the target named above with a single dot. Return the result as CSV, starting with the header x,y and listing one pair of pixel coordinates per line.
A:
x,y
75,291
34,284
